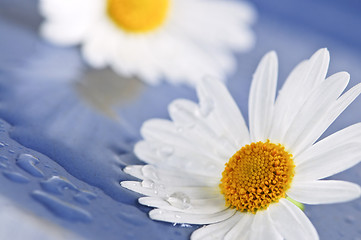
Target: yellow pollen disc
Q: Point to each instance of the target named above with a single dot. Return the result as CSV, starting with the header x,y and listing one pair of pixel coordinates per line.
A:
x,y
256,176
138,15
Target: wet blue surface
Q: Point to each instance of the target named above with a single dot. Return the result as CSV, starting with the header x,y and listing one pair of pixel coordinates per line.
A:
x,y
62,158
70,202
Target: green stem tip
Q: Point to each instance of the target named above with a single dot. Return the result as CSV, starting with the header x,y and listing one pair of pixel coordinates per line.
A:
x,y
298,204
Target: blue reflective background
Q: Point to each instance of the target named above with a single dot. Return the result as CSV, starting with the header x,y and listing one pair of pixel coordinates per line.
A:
x,y
66,130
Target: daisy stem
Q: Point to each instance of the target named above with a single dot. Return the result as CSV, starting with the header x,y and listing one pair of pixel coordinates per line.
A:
x,y
298,204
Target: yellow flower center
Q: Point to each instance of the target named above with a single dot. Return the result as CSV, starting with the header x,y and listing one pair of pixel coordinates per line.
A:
x,y
256,176
138,15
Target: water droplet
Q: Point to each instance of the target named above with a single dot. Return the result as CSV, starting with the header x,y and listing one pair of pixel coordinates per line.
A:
x,y
147,183
84,197
2,145
60,208
185,225
15,177
182,225
149,171
158,189
57,185
166,151
27,162
11,151
179,200
206,107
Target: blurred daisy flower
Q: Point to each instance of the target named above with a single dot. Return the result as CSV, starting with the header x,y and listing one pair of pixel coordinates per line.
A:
x,y
271,165
179,40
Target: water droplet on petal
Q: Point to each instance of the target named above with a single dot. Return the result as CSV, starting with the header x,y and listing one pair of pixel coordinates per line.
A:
x,y
179,200
147,183
185,225
149,171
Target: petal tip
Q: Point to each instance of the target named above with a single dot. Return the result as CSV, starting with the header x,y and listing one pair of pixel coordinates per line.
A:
x,y
323,53
357,191
127,184
155,214
270,56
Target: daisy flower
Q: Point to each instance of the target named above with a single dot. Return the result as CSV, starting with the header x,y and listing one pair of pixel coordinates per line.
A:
x,y
179,40
206,167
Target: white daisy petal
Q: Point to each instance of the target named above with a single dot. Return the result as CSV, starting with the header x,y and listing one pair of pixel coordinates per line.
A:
x,y
291,222
262,228
173,148
331,155
194,206
165,132
213,97
302,130
63,34
156,189
238,12
60,28
174,178
189,182
296,90
217,230
241,228
335,110
148,188
98,50
190,122
181,217
284,109
262,97
56,10
194,69
324,191
175,49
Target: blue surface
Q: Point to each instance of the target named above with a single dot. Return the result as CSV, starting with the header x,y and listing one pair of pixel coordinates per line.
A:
x,y
62,158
